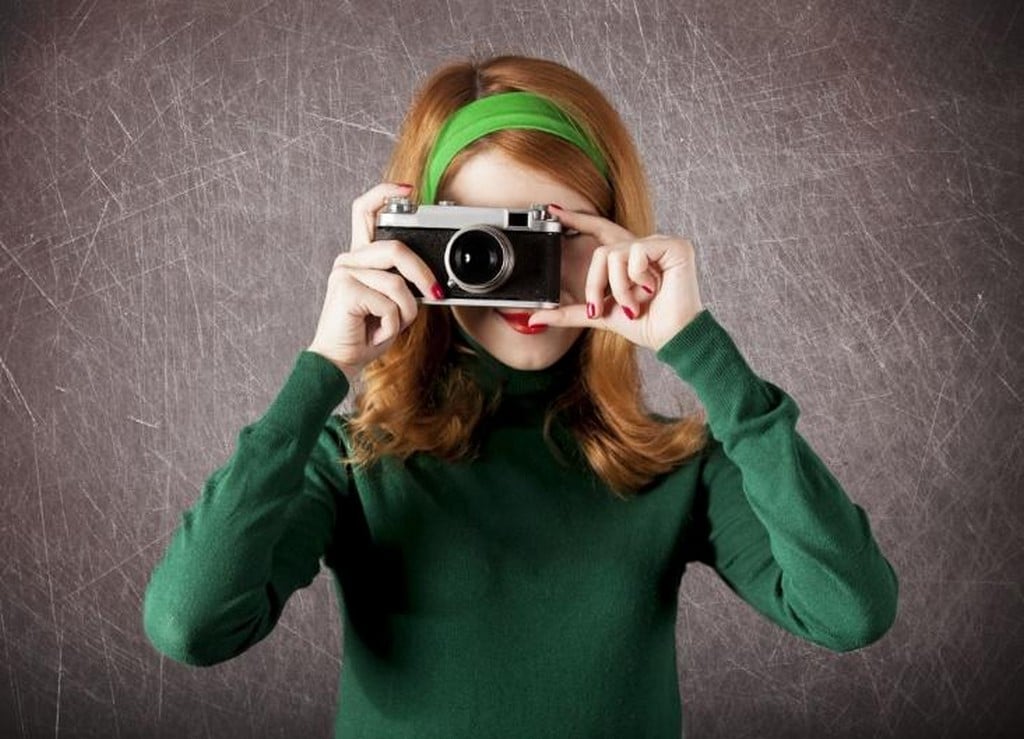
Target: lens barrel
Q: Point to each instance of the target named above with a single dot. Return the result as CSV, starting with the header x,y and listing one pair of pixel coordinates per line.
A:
x,y
479,258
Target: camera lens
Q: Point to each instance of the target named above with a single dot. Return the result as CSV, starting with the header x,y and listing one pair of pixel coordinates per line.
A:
x,y
478,258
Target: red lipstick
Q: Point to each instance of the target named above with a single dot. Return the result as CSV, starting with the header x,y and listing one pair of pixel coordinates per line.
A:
x,y
518,321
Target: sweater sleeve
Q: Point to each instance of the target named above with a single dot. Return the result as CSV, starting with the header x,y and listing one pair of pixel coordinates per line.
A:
x,y
780,530
258,529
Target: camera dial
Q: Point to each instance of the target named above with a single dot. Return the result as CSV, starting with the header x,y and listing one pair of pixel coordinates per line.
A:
x,y
399,204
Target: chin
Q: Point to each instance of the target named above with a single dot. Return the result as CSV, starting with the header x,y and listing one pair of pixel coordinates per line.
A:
x,y
532,362
504,334
531,351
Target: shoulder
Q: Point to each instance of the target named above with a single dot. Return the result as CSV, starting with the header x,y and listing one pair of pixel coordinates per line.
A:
x,y
332,443
710,457
332,432
712,460
663,419
336,427
698,422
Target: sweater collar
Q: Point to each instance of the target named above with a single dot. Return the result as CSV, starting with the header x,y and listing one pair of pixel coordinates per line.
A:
x,y
492,373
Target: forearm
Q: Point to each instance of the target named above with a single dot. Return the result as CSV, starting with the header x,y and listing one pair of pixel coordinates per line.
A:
x,y
212,593
785,534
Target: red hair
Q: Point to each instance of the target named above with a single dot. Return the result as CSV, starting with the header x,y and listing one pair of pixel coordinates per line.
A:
x,y
415,399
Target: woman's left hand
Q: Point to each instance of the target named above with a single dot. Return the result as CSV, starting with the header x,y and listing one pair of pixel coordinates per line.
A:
x,y
664,264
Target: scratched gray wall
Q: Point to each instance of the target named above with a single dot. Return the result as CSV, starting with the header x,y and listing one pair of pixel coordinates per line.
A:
x,y
176,180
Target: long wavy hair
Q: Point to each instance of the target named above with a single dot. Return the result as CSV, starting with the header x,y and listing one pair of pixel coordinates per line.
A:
x,y
415,398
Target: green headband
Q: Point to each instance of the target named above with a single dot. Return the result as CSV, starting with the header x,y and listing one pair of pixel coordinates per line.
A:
x,y
494,113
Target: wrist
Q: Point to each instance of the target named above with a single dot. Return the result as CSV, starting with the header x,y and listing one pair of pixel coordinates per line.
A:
x,y
350,371
687,323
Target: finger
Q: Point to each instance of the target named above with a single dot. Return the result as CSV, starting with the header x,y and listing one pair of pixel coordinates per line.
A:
x,y
572,315
622,287
365,207
639,271
568,315
597,280
606,231
382,315
390,324
391,254
391,286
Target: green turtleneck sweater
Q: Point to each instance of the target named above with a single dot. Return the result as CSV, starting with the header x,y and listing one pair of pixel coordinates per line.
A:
x,y
512,595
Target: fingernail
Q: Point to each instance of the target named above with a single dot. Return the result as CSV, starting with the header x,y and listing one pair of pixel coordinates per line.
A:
x,y
405,184
437,291
556,205
591,310
629,314
649,290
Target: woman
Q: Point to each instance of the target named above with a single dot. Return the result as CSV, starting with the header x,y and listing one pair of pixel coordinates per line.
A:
x,y
506,524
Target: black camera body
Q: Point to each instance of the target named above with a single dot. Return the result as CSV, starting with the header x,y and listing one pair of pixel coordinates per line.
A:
x,y
498,257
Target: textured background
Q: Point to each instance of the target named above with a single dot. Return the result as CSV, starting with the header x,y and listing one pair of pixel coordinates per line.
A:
x,y
176,181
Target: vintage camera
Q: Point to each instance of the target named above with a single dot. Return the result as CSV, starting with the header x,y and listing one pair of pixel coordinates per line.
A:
x,y
498,257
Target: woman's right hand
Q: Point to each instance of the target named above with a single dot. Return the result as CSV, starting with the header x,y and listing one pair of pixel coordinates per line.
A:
x,y
366,306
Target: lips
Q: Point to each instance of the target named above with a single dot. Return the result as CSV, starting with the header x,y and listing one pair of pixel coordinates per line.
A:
x,y
519,322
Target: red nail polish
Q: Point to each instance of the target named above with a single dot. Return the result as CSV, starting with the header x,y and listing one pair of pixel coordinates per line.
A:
x,y
404,184
437,291
556,205
591,310
649,290
629,314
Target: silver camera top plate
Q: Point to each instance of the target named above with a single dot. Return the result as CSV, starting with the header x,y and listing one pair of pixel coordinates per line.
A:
x,y
401,212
